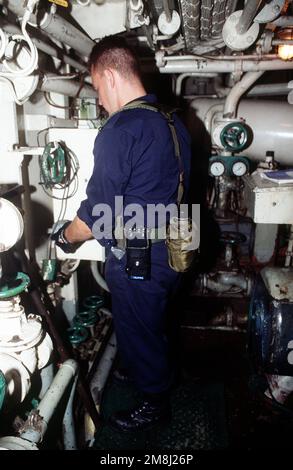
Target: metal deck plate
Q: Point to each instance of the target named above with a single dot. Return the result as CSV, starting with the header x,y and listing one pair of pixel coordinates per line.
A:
x,y
198,420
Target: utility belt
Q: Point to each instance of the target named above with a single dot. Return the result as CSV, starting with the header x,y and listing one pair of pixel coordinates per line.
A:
x,y
154,235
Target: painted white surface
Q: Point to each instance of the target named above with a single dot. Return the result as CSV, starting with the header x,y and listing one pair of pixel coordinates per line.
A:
x,y
81,142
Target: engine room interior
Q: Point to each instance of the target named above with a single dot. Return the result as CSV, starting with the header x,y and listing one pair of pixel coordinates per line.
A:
x,y
224,67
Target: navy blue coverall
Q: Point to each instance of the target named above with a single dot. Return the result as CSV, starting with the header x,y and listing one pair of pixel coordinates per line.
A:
x,y
135,158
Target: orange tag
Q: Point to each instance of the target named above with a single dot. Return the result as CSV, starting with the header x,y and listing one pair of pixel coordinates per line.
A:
x,y
62,3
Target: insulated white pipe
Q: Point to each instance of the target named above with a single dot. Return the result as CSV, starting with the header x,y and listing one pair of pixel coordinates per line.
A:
x,y
47,376
55,26
98,383
237,91
208,119
52,83
189,65
49,403
269,89
98,277
68,426
271,122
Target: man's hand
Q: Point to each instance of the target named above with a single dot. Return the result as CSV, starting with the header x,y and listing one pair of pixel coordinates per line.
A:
x,y
60,239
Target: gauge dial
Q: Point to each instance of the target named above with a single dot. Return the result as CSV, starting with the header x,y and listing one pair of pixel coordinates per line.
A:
x,y
217,168
239,168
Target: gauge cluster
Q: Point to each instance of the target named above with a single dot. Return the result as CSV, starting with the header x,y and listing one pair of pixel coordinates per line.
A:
x,y
228,166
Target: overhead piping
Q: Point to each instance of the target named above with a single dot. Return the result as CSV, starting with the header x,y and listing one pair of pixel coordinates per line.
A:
x,y
248,14
237,91
167,10
53,51
56,84
55,26
182,64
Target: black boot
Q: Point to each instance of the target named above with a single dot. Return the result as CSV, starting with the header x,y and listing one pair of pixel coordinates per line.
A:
x,y
155,409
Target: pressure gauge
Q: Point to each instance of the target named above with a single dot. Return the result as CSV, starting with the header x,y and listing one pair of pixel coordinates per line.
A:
x,y
239,168
217,168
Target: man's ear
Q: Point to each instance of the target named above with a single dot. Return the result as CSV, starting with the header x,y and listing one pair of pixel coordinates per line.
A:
x,y
110,77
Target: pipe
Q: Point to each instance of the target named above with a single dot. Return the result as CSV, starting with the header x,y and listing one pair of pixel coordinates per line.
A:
x,y
46,309
276,89
208,119
55,26
38,420
53,51
226,281
182,77
237,91
98,382
68,427
233,57
167,10
47,376
56,84
283,21
231,279
289,249
184,65
272,124
98,277
280,42
248,14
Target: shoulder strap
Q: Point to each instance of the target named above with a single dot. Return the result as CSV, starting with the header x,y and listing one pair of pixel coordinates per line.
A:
x,y
167,112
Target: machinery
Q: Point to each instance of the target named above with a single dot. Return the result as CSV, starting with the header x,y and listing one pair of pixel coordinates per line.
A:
x,y
229,64
25,346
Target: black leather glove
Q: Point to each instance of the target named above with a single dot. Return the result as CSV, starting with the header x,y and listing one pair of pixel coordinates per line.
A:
x,y
61,241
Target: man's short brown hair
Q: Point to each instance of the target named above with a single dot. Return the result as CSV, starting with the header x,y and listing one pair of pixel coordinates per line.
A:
x,y
113,52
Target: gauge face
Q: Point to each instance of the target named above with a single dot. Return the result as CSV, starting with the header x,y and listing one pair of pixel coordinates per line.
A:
x,y
239,168
217,168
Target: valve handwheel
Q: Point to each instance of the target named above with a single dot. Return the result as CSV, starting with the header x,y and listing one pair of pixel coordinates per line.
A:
x,y
234,136
10,286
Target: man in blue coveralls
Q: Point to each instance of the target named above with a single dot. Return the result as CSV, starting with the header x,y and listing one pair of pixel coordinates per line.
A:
x,y
134,157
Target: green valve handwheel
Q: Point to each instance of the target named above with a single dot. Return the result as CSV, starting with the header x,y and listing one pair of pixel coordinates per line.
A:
x,y
77,334
93,302
13,285
87,318
234,136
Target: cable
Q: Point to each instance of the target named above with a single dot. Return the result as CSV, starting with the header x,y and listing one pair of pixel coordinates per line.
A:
x,y
12,89
58,170
38,135
32,50
51,103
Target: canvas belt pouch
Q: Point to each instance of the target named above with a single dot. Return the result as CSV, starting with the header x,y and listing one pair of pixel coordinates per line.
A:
x,y
180,242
